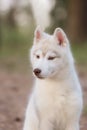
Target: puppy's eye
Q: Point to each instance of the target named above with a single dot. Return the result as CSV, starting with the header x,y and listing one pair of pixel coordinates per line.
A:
x,y
37,56
51,58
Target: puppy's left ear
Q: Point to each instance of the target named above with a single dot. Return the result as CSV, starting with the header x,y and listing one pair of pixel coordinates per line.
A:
x,y
60,36
38,34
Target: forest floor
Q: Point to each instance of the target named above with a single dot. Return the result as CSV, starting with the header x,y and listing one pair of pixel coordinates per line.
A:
x,y
15,88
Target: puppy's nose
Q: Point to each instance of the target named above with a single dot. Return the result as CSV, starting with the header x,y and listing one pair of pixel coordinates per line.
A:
x,y
37,71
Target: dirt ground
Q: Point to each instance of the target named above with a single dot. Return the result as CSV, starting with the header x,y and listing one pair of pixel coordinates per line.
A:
x,y
14,93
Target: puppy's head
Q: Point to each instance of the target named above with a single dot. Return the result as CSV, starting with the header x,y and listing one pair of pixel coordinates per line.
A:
x,y
50,54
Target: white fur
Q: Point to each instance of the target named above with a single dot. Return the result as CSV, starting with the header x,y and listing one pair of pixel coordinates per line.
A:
x,y
56,101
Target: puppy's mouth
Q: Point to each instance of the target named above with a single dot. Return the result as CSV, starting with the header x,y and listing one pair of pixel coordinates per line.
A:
x,y
40,77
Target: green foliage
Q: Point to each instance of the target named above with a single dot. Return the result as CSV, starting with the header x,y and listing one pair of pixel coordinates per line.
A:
x,y
85,110
14,41
14,49
80,53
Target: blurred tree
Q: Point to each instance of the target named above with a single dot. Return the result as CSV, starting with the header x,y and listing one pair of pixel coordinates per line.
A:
x,y
18,11
72,16
11,13
77,20
10,17
58,14
0,32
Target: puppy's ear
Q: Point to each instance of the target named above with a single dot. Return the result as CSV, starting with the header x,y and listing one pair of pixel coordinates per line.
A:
x,y
60,37
38,34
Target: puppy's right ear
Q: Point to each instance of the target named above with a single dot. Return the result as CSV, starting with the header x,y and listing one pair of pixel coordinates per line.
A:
x,y
38,34
61,37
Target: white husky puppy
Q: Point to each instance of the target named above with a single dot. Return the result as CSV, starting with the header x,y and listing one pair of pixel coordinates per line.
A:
x,y
56,101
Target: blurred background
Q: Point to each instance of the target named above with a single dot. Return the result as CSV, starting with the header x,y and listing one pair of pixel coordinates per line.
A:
x,y
18,20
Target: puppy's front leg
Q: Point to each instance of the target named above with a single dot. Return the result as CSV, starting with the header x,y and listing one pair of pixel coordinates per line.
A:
x,y
74,126
31,119
46,124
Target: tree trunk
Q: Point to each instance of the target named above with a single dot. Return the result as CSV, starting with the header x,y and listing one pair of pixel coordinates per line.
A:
x,y
0,33
77,20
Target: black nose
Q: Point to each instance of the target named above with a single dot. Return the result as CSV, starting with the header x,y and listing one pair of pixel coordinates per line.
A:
x,y
37,71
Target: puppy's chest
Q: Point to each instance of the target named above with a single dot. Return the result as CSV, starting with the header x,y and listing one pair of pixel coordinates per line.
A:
x,y
52,102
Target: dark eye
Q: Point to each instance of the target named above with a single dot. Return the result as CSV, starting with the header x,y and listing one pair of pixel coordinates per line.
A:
x,y
51,58
37,56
